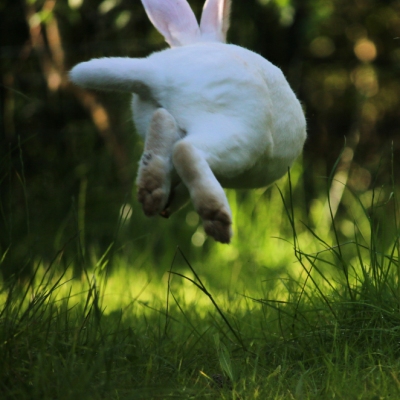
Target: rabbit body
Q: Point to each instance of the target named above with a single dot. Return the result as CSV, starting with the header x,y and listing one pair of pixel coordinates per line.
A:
x,y
212,114
236,103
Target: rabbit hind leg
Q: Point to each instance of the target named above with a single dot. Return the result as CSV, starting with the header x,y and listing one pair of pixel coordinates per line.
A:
x,y
155,166
207,195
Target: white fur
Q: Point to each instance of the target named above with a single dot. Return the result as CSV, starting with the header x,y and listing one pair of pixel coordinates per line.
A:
x,y
214,22
238,124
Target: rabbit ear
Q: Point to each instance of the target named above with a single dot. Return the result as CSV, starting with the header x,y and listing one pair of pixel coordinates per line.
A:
x,y
174,19
214,22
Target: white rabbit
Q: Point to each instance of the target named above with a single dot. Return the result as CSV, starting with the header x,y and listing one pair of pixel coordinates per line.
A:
x,y
212,114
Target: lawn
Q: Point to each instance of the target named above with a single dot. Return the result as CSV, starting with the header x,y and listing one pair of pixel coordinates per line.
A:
x,y
304,304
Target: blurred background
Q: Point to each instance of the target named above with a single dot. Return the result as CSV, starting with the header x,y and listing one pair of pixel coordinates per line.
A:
x,y
68,157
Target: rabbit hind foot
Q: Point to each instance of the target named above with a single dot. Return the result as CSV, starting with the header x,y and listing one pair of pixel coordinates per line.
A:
x,y
155,166
217,223
153,185
207,195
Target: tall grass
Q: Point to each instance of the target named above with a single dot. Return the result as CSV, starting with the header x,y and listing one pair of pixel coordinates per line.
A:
x,y
310,314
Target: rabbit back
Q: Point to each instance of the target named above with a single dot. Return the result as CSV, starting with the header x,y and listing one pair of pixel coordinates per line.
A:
x,y
231,102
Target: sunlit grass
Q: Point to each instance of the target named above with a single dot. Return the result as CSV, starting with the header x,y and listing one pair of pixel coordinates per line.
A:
x,y
301,306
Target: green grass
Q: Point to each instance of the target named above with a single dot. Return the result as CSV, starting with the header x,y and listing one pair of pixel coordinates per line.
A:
x,y
302,305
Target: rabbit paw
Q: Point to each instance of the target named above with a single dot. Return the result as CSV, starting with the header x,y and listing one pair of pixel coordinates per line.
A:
x,y
154,177
217,223
153,184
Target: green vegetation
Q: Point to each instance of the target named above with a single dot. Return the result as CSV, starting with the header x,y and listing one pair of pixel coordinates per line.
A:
x,y
313,314
98,301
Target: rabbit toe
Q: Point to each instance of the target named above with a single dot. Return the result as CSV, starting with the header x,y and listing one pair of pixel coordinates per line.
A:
x,y
153,189
217,224
152,201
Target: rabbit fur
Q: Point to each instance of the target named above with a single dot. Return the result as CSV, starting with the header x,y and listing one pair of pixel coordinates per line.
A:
x,y
212,114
